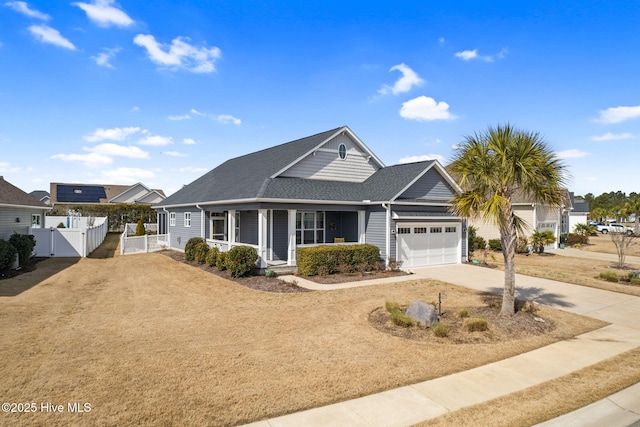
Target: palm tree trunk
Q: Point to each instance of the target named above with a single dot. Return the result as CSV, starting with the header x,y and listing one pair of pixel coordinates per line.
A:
x,y
508,240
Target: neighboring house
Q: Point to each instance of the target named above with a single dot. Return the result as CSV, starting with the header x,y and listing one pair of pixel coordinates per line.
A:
x,y
41,195
327,188
18,210
536,216
579,214
74,194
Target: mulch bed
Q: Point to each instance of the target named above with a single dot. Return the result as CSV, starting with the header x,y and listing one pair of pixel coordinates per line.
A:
x,y
331,279
8,273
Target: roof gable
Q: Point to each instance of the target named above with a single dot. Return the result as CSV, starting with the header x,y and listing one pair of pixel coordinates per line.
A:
x,y
131,194
433,183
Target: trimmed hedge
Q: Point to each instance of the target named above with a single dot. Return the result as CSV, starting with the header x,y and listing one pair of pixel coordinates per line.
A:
x,y
240,260
190,248
212,257
200,252
24,244
330,258
495,244
7,254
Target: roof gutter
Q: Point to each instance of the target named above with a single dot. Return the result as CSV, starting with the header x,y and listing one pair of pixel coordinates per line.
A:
x,y
9,205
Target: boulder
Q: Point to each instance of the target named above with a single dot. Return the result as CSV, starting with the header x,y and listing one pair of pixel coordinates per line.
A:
x,y
422,313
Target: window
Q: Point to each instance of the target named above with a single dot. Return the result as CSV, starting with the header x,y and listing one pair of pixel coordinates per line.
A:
x,y
450,229
309,227
436,230
342,151
420,230
403,230
35,220
219,225
187,219
172,219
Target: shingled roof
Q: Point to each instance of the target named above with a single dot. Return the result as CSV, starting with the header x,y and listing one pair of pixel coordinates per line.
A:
x,y
251,177
12,195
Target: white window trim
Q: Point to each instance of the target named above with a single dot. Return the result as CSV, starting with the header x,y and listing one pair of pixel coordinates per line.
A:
x,y
172,219
315,227
37,223
187,219
218,216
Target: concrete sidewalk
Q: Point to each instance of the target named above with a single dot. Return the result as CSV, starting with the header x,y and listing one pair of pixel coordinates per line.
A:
x,y
408,405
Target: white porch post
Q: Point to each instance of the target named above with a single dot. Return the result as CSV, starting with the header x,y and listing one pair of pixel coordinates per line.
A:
x,y
362,226
231,227
262,237
291,250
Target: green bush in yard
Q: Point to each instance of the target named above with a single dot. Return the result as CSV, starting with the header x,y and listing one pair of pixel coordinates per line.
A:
x,y
7,254
241,260
140,231
399,318
495,244
212,257
475,324
24,244
190,247
331,259
440,330
221,261
200,252
610,276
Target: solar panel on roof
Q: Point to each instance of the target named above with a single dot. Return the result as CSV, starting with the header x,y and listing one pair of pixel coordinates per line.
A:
x,y
80,193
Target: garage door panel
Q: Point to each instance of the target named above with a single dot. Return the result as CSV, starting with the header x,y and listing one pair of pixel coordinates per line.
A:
x,y
425,244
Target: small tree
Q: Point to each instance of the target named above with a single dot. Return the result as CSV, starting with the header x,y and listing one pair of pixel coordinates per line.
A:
x,y
622,242
140,228
540,239
584,230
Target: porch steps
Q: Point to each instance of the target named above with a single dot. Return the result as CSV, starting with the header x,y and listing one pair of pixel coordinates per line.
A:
x,y
283,269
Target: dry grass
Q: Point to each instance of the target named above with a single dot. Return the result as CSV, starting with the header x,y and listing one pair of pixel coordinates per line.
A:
x,y
552,398
602,243
147,340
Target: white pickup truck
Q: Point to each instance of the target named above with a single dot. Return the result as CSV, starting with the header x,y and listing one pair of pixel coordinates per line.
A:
x,y
614,228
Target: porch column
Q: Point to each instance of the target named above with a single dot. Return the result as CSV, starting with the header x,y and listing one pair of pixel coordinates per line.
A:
x,y
291,250
231,227
262,238
362,226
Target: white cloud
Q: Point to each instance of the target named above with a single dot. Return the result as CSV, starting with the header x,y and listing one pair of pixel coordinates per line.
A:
x,y
178,118
104,14
90,159
109,149
196,112
441,41
612,136
226,119
174,154
468,55
571,154
104,58
46,34
127,175
114,134
156,140
408,80
180,54
5,167
422,158
135,108
618,114
23,8
189,141
425,108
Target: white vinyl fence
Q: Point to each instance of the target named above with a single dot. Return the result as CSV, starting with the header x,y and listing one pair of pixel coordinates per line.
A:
x,y
141,244
69,242
130,228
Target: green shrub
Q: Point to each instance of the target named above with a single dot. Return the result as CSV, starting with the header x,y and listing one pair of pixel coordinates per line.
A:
x,y
391,306
635,281
495,245
7,254
333,257
200,252
401,319
140,231
24,244
475,324
609,276
212,257
190,247
270,273
241,260
577,239
61,225
462,313
221,261
440,330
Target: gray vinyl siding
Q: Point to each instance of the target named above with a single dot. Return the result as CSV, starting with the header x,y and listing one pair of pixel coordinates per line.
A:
x,y
280,235
181,234
8,224
430,186
346,226
325,164
249,227
375,230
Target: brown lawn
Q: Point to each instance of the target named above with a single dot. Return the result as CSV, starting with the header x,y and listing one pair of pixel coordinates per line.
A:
x,y
602,243
145,339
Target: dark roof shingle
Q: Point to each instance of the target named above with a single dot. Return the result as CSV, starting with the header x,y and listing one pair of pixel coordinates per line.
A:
x,y
12,195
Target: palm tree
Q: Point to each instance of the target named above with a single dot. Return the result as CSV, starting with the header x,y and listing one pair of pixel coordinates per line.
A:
x,y
492,167
632,206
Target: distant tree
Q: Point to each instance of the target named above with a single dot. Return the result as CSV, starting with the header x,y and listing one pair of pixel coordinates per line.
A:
x,y
632,207
493,168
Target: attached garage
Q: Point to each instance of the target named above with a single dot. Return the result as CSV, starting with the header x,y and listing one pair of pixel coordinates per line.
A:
x,y
422,244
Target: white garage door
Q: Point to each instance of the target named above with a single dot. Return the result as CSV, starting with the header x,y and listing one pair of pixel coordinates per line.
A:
x,y
422,244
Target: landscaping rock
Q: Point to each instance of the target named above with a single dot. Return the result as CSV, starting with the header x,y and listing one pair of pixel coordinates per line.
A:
x,y
422,313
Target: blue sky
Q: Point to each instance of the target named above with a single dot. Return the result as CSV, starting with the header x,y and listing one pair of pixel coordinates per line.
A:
x,y
99,91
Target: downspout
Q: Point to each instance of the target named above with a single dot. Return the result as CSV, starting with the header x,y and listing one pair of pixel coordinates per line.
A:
x,y
387,234
201,221
166,220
